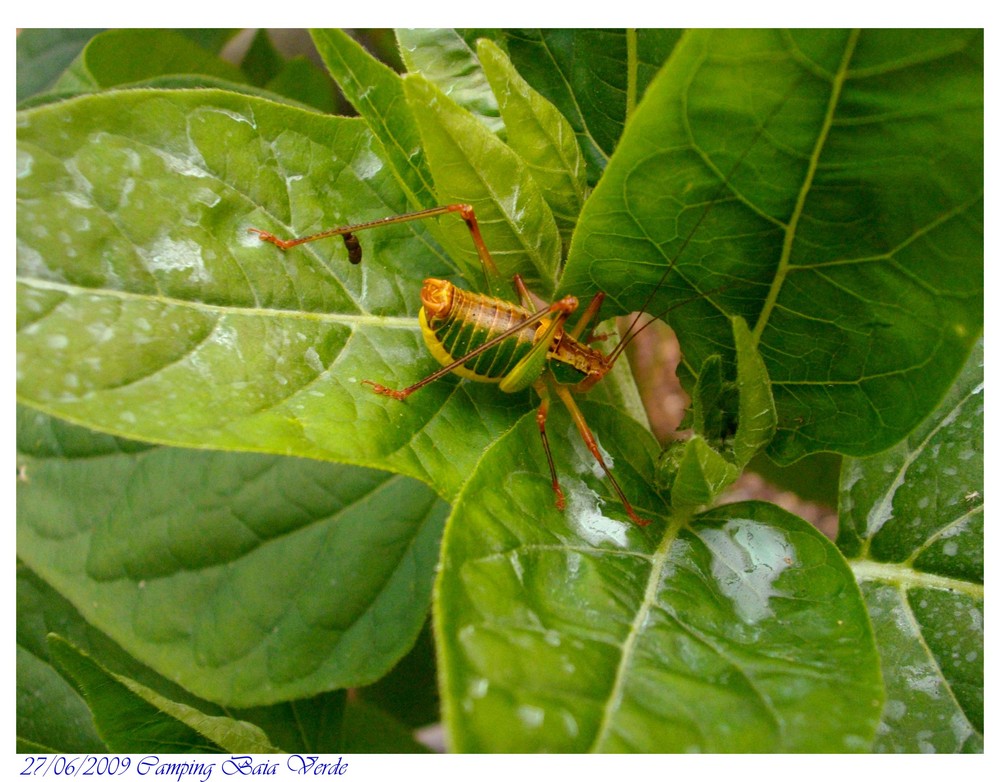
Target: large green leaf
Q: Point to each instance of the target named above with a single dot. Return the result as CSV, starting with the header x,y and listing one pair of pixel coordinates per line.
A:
x,y
245,578
43,613
51,716
147,310
912,519
738,630
783,167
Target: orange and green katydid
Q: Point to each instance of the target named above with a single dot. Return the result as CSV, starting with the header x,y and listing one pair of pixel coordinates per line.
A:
x,y
485,338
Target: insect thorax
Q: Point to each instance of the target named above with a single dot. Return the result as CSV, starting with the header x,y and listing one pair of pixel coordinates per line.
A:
x,y
572,362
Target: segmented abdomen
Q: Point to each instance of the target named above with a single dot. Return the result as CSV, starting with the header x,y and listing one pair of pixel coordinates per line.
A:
x,y
473,319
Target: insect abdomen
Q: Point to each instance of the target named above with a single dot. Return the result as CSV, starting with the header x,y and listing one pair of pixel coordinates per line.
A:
x,y
454,322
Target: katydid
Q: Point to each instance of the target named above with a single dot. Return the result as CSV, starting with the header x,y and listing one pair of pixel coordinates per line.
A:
x,y
485,338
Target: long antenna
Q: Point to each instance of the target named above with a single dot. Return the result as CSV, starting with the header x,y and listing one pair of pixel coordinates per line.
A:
x,y
630,333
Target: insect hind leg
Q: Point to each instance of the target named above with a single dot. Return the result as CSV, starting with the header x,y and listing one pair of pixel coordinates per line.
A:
x,y
540,418
591,443
465,211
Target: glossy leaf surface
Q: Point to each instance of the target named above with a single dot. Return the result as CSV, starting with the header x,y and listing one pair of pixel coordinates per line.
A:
x,y
912,519
147,310
742,630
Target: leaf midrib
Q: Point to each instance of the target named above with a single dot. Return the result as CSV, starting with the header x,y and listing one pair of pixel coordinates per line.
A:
x,y
628,647
790,231
904,577
409,323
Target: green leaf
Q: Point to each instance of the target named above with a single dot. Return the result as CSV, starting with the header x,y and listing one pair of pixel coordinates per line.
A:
x,y
302,81
409,691
305,725
245,578
212,39
126,721
715,404
694,472
51,715
118,57
757,416
912,519
133,718
541,136
471,165
443,58
147,310
893,504
585,73
62,722
41,612
262,62
732,422
42,56
332,723
309,725
773,174
813,478
743,630
376,92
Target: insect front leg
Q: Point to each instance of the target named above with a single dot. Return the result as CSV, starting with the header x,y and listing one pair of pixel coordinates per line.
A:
x,y
589,314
